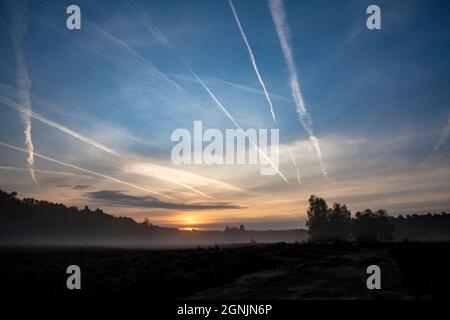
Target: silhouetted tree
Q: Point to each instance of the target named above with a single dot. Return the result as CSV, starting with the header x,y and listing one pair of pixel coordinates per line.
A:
x,y
33,219
339,222
369,226
317,218
327,224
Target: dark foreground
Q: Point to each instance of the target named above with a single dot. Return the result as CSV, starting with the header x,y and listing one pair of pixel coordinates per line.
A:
x,y
276,271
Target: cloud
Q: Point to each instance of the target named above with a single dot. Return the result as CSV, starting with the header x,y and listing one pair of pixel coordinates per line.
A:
x,y
182,177
148,24
101,175
122,199
159,172
10,168
163,39
132,57
29,113
444,135
224,110
279,19
75,187
216,81
18,30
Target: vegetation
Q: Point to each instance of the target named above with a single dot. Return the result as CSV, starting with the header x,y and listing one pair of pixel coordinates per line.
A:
x,y
328,267
34,218
335,224
31,221
328,224
369,226
24,221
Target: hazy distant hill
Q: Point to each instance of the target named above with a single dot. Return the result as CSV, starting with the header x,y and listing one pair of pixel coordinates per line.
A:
x,y
30,221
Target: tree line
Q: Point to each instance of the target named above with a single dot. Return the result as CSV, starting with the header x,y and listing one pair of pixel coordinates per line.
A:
x,y
29,218
336,224
32,218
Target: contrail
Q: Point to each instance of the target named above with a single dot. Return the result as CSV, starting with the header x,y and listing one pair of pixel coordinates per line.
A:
x,y
62,173
158,34
279,19
28,113
444,135
218,103
142,61
261,82
153,174
104,176
133,55
18,30
148,24
212,80
152,170
253,60
297,171
8,102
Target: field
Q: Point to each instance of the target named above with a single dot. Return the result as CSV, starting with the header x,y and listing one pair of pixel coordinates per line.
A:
x,y
273,271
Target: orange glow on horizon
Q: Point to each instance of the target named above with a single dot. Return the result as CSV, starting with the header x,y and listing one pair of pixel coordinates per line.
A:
x,y
190,229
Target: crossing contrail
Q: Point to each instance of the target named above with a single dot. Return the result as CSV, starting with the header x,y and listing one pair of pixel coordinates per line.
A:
x,y
101,175
132,56
18,30
8,102
279,19
159,35
261,82
175,181
221,106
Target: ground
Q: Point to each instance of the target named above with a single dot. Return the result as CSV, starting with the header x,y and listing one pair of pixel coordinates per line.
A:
x,y
271,271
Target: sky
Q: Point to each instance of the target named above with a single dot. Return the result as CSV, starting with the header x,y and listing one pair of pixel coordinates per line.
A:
x,y
86,115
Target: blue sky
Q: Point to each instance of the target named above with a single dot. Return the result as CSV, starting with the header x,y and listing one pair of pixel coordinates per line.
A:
x,y
378,100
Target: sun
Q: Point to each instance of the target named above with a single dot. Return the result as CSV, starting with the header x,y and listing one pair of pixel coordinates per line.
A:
x,y
189,221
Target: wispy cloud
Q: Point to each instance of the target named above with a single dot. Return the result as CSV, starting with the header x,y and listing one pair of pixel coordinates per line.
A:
x,y
18,12
31,114
181,177
75,187
163,39
122,199
216,81
279,19
144,19
444,135
153,172
98,174
157,171
11,168
132,56
260,80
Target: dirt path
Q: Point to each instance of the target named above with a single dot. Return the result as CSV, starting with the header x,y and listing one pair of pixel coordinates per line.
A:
x,y
333,276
